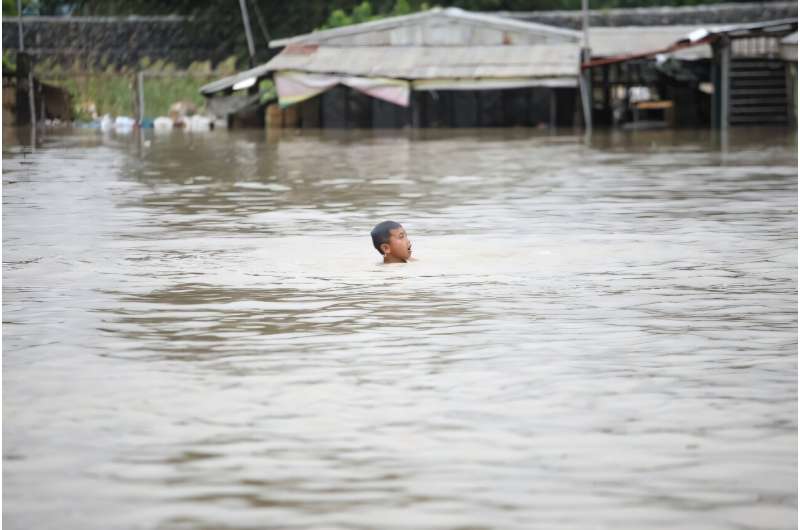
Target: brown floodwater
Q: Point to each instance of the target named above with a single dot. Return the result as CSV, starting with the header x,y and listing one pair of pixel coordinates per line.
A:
x,y
598,333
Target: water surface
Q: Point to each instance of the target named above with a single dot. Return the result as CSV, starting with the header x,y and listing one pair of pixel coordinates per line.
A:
x,y
598,334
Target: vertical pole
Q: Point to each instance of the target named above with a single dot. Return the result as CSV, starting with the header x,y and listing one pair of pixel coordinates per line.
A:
x,y
260,20
32,103
140,93
725,84
585,9
586,96
586,73
31,96
247,32
606,95
715,58
19,25
552,108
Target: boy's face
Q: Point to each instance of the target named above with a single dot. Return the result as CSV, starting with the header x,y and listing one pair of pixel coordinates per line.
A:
x,y
399,246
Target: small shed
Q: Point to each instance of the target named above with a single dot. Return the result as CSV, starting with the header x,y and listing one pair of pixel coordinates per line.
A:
x,y
442,67
743,68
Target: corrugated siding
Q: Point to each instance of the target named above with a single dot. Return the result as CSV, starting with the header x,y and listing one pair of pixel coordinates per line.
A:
x,y
409,62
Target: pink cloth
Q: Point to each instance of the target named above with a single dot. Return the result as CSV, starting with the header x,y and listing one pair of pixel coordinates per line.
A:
x,y
294,87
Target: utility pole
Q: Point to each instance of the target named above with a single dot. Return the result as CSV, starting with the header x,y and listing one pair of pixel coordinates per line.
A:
x,y
247,32
585,9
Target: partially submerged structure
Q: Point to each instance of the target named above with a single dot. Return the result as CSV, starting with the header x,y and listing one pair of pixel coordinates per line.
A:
x,y
719,75
443,67
452,68
49,102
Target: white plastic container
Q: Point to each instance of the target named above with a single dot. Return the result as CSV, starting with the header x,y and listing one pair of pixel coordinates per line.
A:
x,y
163,123
198,123
107,123
124,124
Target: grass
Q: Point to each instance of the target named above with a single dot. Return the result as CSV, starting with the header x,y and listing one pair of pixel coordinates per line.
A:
x,y
113,91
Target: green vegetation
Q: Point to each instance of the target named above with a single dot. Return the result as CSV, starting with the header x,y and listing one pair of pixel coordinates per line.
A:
x,y
267,90
9,61
364,12
112,91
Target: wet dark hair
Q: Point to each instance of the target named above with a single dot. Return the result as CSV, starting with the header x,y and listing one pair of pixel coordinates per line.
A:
x,y
380,234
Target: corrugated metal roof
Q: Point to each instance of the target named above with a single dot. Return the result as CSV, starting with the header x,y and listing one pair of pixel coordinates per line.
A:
x,y
226,83
769,32
472,61
345,35
609,42
411,62
420,62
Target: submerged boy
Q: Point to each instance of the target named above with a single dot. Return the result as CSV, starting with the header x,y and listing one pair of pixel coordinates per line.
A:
x,y
391,240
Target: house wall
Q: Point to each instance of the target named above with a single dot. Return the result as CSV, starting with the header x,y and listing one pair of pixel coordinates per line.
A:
x,y
344,108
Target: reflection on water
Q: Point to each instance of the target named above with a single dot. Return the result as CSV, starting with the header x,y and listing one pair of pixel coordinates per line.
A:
x,y
197,333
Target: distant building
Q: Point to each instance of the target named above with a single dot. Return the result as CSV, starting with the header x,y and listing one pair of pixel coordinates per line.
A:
x,y
443,67
718,76
452,68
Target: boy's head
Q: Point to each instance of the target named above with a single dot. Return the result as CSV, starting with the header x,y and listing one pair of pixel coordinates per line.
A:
x,y
390,239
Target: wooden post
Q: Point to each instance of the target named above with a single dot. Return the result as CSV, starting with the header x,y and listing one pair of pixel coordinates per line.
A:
x,y
715,84
31,98
42,104
586,95
140,93
606,93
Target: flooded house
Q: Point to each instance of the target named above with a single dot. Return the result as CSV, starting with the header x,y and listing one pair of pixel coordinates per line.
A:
x,y
438,68
715,75
453,68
